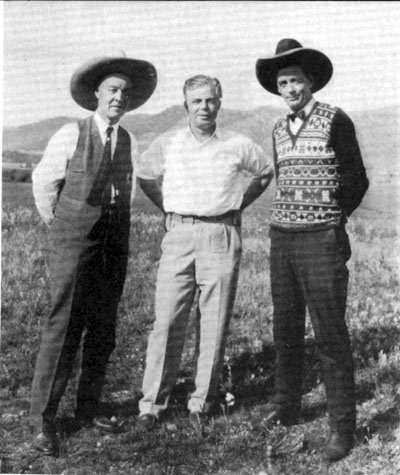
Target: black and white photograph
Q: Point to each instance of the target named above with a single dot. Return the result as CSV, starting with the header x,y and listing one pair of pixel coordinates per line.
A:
x,y
200,238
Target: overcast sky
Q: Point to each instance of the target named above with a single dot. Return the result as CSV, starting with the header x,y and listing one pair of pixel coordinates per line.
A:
x,y
45,41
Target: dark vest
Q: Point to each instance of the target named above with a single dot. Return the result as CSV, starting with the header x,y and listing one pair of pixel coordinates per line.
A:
x,y
80,199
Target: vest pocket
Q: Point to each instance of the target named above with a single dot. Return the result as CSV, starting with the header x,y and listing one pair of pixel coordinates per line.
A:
x,y
74,183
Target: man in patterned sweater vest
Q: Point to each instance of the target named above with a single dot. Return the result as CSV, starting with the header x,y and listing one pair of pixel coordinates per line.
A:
x,y
320,181
82,188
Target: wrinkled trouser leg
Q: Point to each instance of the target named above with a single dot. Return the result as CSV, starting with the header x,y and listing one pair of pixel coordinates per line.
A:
x,y
217,272
77,287
175,291
288,327
318,264
99,340
192,258
321,262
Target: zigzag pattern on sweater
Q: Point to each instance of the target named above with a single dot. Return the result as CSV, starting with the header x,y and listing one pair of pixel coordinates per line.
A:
x,y
308,179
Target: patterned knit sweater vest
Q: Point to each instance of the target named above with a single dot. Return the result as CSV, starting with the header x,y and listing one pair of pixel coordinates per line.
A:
x,y
307,174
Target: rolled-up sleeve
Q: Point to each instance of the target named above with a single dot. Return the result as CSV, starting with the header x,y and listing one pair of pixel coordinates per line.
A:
x,y
151,162
254,160
49,175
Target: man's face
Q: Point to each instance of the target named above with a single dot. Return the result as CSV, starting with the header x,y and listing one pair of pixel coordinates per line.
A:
x,y
202,105
113,96
294,87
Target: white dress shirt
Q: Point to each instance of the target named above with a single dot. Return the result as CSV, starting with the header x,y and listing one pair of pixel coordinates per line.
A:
x,y
51,170
203,178
297,122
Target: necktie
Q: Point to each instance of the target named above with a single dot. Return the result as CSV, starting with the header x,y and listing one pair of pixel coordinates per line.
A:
x,y
301,115
107,168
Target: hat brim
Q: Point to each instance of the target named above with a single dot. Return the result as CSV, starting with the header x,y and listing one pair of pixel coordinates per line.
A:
x,y
87,78
313,62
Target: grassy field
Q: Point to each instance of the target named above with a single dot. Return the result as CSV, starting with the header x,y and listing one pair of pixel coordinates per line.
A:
x,y
237,441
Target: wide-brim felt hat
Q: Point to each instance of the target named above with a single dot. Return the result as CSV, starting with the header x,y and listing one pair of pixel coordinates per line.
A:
x,y
290,52
87,78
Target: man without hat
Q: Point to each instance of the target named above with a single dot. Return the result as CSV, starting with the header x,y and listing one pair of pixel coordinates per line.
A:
x,y
320,182
83,188
203,193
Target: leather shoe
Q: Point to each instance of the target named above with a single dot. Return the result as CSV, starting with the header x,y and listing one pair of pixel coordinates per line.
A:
x,y
338,446
277,413
46,442
147,422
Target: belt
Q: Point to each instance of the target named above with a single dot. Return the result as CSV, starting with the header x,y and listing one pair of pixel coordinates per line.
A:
x,y
231,218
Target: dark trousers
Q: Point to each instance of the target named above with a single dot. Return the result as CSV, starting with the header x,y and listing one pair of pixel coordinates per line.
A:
x,y
308,269
87,274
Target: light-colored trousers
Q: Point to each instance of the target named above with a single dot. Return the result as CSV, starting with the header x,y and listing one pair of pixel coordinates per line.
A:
x,y
195,255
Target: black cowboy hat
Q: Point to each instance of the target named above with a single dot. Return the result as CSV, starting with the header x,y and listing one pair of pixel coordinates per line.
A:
x,y
290,52
87,78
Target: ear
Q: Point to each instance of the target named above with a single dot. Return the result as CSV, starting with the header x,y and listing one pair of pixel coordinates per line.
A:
x,y
185,106
96,93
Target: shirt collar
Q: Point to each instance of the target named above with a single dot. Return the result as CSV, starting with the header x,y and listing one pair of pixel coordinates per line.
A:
x,y
217,134
307,108
103,125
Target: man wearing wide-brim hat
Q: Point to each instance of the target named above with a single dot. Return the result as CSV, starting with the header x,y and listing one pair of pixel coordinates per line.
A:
x,y
321,180
83,188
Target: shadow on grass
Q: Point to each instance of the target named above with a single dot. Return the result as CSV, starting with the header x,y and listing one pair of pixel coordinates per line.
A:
x,y
369,342
249,376
383,423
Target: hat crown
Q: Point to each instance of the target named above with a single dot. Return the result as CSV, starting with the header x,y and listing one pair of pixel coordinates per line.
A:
x,y
290,52
287,44
87,78
114,53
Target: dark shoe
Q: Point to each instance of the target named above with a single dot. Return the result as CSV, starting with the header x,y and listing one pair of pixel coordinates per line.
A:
x,y
338,446
46,442
147,422
197,419
277,413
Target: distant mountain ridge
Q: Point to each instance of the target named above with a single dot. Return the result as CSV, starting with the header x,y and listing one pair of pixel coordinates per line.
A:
x,y
145,127
377,132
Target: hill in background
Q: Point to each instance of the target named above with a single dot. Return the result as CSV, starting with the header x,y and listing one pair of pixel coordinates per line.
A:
x,y
34,137
377,132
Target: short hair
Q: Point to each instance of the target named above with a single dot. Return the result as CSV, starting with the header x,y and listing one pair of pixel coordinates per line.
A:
x,y
200,81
